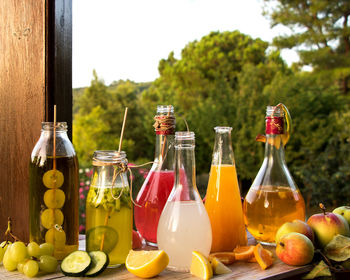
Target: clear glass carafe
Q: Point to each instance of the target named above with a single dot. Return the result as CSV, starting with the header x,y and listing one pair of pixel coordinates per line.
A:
x,y
273,198
184,224
109,207
223,199
53,190
159,182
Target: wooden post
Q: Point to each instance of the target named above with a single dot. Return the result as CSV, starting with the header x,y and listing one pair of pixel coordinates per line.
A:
x,y
35,73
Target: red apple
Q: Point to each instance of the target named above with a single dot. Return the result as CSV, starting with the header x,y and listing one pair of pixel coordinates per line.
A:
x,y
295,249
326,225
136,240
295,226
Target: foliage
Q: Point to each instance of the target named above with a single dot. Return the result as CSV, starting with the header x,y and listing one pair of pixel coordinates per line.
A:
x,y
227,79
320,31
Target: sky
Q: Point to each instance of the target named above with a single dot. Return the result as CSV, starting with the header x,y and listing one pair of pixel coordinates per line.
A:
x,y
126,39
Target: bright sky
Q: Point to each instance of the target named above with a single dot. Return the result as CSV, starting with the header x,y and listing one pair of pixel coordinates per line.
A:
x,y
126,39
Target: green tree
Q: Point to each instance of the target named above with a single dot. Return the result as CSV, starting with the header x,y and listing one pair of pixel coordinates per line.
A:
x,y
320,32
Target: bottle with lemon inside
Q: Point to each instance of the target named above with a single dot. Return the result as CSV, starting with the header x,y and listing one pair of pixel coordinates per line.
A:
x,y
53,190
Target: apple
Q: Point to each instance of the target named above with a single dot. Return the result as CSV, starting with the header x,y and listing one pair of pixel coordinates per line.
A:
x,y
344,211
295,226
136,240
295,249
326,225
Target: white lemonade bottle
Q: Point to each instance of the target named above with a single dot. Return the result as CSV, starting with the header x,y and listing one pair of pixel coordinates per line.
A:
x,y
184,224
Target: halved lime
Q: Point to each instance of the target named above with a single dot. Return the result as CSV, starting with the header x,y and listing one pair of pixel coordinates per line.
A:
x,y
53,178
95,235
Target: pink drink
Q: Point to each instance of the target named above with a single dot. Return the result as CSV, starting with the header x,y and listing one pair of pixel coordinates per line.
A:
x,y
152,198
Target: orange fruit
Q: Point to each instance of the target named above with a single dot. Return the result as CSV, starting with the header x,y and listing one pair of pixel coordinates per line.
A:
x,y
243,253
263,256
224,257
252,260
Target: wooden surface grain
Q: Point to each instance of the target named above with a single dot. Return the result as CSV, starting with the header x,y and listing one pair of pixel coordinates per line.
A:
x,y
22,100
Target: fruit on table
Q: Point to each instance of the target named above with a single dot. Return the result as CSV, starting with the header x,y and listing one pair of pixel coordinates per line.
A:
x,y
326,225
30,268
136,240
76,264
218,267
95,235
53,178
295,226
33,249
263,258
18,251
48,263
244,253
343,211
54,198
225,257
99,263
146,264
200,266
295,249
46,249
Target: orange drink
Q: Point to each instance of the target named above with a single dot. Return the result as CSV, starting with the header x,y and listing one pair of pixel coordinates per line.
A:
x,y
224,207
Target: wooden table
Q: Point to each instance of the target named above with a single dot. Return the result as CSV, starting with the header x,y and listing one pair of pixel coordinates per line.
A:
x,y
240,270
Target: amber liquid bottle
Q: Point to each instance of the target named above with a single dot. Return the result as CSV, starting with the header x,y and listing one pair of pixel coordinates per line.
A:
x,y
273,198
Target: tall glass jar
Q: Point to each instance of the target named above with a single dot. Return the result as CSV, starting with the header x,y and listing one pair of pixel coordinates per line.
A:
x,y
223,199
273,198
109,207
53,190
184,224
159,182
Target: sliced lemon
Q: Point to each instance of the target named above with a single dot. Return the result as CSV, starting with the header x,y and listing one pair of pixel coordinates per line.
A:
x,y
146,264
200,266
219,267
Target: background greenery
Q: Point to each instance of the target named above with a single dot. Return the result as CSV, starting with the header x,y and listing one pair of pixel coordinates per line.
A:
x,y
228,79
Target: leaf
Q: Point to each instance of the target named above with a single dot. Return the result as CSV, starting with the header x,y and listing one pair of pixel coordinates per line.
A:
x,y
338,249
319,270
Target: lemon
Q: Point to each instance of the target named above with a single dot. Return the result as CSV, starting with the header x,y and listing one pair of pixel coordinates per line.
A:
x,y
200,266
219,267
146,264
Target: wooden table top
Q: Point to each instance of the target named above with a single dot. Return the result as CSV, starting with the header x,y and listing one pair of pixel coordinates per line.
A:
x,y
240,270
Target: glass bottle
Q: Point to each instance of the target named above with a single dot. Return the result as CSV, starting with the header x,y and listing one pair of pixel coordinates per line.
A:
x,y
223,200
160,180
273,198
53,190
109,207
184,224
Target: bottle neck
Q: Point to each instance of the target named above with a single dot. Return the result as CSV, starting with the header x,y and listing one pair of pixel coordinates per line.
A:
x,y
185,169
274,150
164,152
223,152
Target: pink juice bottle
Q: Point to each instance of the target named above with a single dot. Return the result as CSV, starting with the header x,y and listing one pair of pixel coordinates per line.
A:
x,y
157,186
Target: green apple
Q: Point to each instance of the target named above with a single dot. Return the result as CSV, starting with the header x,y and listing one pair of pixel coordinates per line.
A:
x,y
295,226
295,249
344,211
326,225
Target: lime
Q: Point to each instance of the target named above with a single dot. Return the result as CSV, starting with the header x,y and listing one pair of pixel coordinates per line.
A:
x,y
53,179
94,238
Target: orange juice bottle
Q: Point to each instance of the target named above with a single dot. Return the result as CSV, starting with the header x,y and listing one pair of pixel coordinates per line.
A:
x,y
273,199
223,199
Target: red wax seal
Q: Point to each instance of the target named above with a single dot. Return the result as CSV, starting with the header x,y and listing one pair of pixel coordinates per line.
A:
x,y
274,125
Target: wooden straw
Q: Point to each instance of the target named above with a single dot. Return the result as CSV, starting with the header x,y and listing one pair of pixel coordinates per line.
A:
x,y
122,132
54,137
119,150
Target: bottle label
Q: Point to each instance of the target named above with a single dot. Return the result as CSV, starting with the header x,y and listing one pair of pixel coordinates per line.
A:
x,y
164,125
274,125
